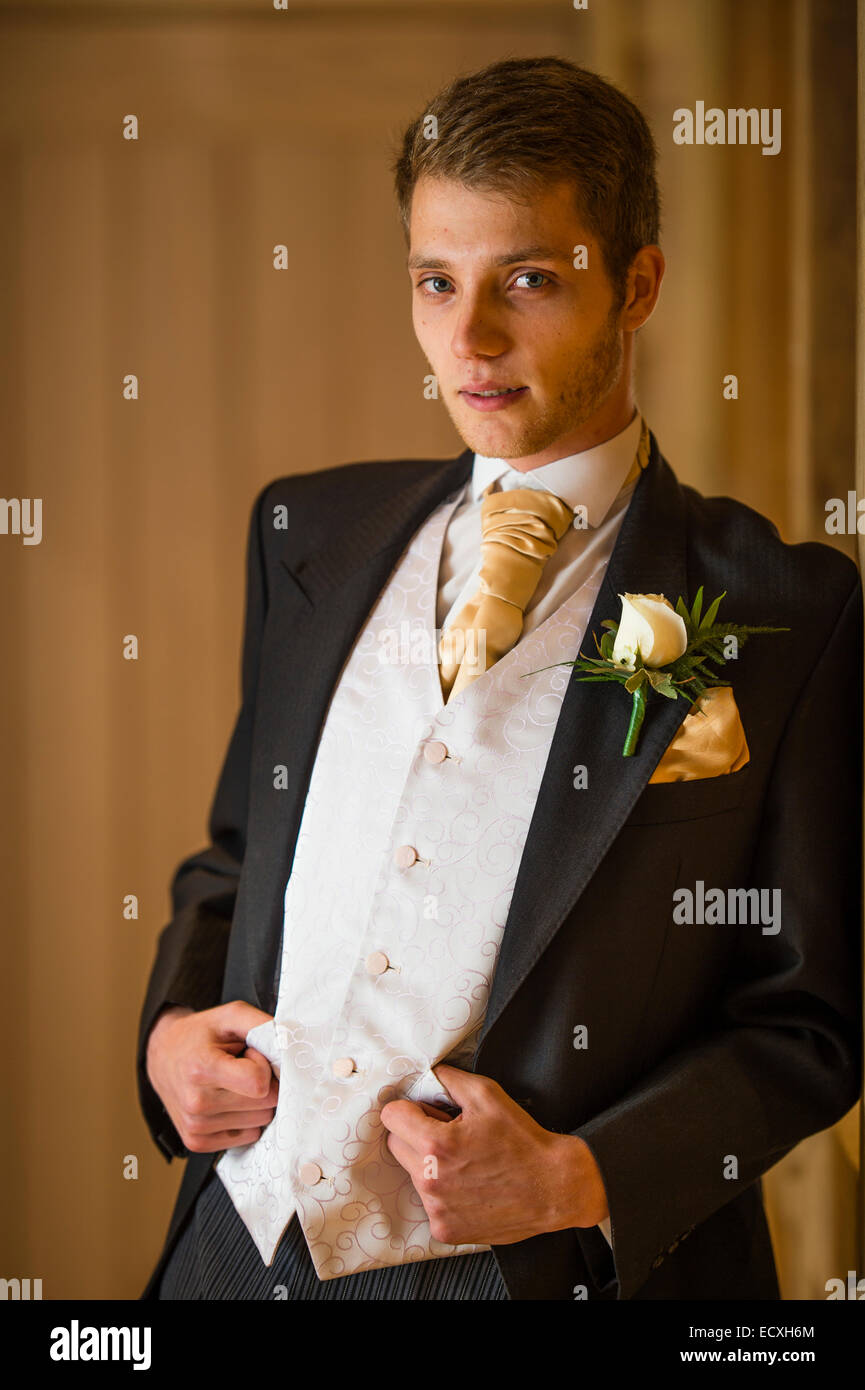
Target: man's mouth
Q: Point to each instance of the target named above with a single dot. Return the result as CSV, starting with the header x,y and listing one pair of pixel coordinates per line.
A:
x,y
497,391
491,397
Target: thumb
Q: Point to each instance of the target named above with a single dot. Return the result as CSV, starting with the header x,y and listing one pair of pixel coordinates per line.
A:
x,y
247,1075
232,1022
250,1075
460,1085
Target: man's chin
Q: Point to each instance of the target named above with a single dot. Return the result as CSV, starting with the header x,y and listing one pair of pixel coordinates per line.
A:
x,y
494,437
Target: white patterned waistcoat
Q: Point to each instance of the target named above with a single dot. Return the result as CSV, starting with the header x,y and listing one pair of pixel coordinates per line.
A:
x,y
407,854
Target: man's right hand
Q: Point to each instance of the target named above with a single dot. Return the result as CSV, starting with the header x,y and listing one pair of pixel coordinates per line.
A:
x,y
218,1092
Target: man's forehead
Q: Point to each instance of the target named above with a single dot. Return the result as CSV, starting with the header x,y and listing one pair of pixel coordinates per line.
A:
x,y
494,227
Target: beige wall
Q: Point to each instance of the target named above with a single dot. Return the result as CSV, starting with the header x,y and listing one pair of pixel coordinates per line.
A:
x,y
154,257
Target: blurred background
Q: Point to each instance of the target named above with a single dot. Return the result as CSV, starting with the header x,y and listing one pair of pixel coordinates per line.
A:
x,y
154,256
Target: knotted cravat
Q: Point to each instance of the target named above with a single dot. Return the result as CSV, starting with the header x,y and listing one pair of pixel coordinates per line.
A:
x,y
520,531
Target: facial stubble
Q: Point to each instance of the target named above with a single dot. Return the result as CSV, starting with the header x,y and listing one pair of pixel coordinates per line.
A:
x,y
588,384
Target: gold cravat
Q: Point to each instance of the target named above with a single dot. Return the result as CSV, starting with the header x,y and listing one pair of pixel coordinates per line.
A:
x,y
520,531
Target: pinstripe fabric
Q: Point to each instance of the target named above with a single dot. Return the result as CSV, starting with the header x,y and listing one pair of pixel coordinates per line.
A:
x,y
215,1258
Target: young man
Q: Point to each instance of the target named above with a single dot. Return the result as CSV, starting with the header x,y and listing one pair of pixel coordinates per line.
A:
x,y
428,1021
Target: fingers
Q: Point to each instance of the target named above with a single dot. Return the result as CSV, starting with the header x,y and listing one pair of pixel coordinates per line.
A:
x,y
233,1121
409,1122
437,1112
218,1092
221,1101
226,1139
229,1064
209,1119
213,1118
404,1154
250,1075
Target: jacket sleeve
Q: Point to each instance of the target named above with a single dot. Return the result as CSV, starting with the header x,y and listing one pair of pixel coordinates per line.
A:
x,y
782,1057
192,948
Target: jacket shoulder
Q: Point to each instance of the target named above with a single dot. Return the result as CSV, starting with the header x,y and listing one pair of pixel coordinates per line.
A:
x,y
299,511
747,542
350,477
310,505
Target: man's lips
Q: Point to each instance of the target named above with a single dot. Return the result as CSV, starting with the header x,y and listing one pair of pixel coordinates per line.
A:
x,y
491,395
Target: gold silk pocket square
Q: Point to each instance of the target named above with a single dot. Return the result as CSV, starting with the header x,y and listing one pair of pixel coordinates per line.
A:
x,y
710,742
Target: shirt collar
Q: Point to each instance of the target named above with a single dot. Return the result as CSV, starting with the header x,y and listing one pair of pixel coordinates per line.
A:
x,y
592,478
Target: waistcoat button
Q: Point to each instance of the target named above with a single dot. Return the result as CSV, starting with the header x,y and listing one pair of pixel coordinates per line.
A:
x,y
377,963
435,752
310,1174
405,856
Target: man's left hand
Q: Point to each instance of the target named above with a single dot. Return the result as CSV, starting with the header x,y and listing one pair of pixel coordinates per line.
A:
x,y
492,1175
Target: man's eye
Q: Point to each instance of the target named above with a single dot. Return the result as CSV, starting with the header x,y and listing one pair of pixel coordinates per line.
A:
x,y
438,281
535,275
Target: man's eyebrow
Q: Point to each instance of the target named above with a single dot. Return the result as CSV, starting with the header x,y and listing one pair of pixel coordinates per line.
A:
x,y
525,253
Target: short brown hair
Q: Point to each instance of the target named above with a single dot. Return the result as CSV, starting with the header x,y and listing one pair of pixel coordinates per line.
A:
x,y
526,122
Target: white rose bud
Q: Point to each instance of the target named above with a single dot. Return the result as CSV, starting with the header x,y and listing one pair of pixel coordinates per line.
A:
x,y
651,626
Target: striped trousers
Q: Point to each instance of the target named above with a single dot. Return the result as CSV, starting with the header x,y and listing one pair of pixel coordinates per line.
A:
x,y
215,1258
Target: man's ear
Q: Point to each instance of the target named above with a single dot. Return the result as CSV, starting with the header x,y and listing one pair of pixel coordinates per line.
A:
x,y
645,274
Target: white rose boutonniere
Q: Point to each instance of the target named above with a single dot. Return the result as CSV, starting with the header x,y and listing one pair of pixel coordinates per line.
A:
x,y
649,628
655,646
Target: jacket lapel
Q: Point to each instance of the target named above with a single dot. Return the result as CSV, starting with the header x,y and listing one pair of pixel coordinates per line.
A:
x,y
572,829
373,537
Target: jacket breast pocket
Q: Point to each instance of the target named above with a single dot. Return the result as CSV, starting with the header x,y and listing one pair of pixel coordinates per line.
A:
x,y
683,801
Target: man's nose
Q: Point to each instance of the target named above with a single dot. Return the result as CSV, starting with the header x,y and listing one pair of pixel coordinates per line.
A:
x,y
478,331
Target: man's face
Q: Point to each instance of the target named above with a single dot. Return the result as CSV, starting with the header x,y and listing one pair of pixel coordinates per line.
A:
x,y
498,303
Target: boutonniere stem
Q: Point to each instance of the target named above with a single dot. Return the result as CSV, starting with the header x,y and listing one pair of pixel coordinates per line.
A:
x,y
635,724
